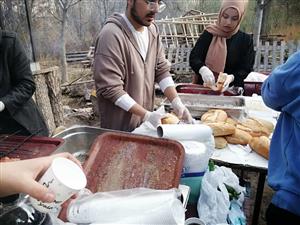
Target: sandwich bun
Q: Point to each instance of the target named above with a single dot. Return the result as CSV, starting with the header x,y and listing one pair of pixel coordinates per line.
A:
x,y
170,118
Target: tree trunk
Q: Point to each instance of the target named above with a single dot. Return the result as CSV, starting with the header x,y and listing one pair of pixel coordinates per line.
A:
x,y
63,61
42,100
48,97
55,97
264,27
259,17
1,18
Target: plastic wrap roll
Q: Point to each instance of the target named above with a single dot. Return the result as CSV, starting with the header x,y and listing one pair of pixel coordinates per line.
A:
x,y
192,132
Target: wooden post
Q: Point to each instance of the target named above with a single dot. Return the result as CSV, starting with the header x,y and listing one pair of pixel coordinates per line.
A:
x,y
48,96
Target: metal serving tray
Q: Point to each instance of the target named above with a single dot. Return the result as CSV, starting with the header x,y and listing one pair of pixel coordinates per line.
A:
x,y
78,140
199,104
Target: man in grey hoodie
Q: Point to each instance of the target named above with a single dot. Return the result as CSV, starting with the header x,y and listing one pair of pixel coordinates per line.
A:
x,y
129,60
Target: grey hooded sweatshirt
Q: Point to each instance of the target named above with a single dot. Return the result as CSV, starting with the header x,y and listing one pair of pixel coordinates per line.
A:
x,y
119,68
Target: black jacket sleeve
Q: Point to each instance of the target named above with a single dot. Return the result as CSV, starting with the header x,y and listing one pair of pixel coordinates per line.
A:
x,y
21,80
198,53
240,58
17,87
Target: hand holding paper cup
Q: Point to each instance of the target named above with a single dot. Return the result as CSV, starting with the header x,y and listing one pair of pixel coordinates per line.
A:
x,y
64,178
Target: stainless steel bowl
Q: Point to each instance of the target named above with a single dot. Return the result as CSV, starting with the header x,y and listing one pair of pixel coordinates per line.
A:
x,y
78,140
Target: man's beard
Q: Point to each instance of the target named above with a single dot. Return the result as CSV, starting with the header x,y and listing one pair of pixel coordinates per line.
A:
x,y
137,18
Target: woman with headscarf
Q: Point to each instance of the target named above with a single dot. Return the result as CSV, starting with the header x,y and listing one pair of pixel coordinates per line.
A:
x,y
222,47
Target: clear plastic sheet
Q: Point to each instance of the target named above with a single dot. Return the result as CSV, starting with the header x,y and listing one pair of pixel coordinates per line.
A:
x,y
131,206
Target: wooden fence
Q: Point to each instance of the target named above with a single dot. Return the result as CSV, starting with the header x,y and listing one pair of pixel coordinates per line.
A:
x,y
75,57
272,54
186,29
81,57
268,55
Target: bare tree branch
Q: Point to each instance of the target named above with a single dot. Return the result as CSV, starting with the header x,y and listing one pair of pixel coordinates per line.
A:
x,y
72,4
54,16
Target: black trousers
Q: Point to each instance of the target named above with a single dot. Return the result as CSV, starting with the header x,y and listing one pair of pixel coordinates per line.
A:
x,y
278,216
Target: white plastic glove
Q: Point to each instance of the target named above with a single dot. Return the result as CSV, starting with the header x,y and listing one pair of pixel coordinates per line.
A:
x,y
207,76
2,106
228,81
154,118
181,111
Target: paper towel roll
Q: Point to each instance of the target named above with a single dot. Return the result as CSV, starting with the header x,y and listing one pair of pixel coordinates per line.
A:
x,y
195,132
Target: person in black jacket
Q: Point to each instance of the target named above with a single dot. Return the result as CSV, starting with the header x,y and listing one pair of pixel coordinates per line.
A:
x,y
224,48
18,112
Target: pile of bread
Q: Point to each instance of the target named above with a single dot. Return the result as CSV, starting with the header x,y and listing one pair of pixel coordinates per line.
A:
x,y
252,131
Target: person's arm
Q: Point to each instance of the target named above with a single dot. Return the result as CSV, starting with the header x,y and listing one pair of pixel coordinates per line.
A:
x,y
21,177
109,66
128,104
179,108
245,60
166,83
22,82
281,89
198,53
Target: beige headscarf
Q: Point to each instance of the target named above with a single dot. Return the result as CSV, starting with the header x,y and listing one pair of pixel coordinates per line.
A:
x,y
217,51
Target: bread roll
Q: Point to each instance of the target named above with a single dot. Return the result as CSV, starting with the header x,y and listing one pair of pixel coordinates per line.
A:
x,y
221,80
239,137
221,128
231,121
253,133
170,118
267,124
220,142
257,127
214,115
261,145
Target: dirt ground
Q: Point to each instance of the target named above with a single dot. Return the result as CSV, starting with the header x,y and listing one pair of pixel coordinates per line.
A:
x,y
76,117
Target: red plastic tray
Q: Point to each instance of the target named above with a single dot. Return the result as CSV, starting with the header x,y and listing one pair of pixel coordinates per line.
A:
x,y
251,87
33,147
199,89
121,161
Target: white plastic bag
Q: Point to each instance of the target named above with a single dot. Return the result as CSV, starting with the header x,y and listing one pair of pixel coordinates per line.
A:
x,y
213,204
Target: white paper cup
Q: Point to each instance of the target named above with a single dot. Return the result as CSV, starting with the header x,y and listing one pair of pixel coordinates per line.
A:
x,y
64,178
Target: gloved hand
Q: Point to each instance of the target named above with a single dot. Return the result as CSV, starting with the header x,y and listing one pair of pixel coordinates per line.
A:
x,y
181,111
154,118
2,106
228,81
207,76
